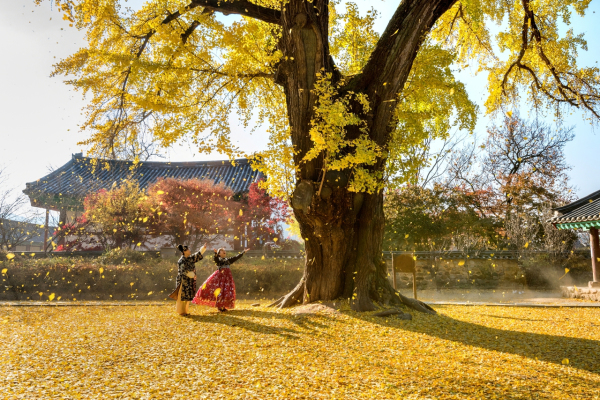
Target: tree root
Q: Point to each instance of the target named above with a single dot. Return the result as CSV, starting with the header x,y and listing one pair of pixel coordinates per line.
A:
x,y
416,305
293,298
296,297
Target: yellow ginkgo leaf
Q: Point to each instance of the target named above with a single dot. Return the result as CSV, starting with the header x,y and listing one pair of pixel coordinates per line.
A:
x,y
10,256
204,286
51,297
241,213
160,192
262,258
567,270
101,270
461,262
526,245
139,244
275,239
217,292
131,283
406,236
149,293
565,361
4,271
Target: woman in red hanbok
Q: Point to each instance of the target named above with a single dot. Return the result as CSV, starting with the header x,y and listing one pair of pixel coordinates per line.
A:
x,y
219,289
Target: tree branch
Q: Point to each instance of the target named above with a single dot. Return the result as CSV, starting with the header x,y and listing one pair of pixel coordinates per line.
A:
x,y
241,7
391,60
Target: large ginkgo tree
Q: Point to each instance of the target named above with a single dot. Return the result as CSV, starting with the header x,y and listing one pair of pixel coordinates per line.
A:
x,y
344,107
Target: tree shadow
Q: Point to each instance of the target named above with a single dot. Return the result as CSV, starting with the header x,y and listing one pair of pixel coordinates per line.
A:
x,y
582,353
235,318
517,319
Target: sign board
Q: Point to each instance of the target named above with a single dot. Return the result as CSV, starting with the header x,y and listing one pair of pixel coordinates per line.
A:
x,y
404,263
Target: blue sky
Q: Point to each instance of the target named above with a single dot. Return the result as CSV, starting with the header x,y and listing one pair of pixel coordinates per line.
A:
x,y
40,115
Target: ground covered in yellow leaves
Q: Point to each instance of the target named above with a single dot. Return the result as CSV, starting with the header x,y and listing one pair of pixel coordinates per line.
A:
x,y
148,352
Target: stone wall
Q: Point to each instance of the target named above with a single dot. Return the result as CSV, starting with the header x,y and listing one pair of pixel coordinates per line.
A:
x,y
584,293
439,272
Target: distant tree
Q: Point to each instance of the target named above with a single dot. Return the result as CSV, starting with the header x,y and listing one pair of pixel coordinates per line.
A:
x,y
436,219
263,214
16,221
116,218
193,211
525,162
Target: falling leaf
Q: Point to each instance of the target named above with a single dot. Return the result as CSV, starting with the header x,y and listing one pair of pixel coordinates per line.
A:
x,y
131,283
275,239
565,361
566,270
51,297
101,270
139,244
149,293
406,236
10,256
241,213
217,292
461,262
160,192
4,271
526,245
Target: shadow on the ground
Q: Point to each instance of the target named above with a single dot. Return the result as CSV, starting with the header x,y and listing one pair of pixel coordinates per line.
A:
x,y
516,319
236,318
581,353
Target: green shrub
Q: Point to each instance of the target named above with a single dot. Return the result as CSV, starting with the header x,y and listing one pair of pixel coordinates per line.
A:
x,y
124,256
150,279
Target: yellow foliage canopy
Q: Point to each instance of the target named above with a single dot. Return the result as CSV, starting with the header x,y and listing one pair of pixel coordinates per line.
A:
x,y
171,70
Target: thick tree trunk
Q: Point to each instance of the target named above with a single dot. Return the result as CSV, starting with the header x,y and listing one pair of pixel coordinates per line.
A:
x,y
343,233
343,230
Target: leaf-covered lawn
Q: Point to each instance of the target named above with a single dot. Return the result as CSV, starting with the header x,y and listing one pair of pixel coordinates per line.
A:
x,y
259,353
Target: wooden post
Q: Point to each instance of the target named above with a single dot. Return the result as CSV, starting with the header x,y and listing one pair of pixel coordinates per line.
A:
x,y
595,250
415,284
45,245
393,272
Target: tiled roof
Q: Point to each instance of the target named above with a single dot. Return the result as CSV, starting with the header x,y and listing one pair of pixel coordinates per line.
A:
x,y
586,211
82,175
578,203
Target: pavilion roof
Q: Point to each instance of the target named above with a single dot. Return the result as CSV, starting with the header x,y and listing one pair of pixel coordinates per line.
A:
x,y
583,213
68,185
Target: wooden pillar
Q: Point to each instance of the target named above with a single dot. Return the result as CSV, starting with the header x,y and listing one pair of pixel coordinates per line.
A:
x,y
393,272
45,245
62,221
595,250
414,274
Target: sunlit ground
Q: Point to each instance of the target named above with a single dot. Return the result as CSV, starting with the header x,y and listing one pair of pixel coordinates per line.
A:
x,y
261,353
508,296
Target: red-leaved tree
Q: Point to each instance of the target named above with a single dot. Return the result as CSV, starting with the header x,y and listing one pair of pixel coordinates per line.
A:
x,y
263,215
193,211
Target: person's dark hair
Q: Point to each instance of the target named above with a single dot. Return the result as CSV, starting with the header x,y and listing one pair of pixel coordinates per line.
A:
x,y
181,248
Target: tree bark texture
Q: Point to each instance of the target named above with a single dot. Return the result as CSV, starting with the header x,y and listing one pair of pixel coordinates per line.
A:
x,y
343,231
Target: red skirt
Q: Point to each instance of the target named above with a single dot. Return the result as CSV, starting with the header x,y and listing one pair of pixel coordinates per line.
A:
x,y
217,291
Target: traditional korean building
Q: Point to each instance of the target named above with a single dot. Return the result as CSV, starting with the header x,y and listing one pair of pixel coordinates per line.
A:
x,y
65,189
583,214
